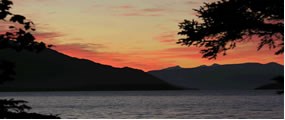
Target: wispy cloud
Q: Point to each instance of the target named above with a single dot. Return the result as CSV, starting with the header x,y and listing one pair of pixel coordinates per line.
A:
x,y
167,37
139,60
92,47
123,7
153,10
151,60
129,10
192,2
48,37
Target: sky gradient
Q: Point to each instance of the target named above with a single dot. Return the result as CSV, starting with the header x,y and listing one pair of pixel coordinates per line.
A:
x,y
134,33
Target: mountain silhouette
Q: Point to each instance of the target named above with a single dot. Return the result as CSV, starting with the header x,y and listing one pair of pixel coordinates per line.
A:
x,y
173,68
54,71
247,76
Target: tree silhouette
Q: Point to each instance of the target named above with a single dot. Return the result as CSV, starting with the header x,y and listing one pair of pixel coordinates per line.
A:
x,y
225,23
18,37
16,109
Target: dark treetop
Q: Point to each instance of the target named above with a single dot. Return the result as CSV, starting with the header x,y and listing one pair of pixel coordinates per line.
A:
x,y
17,37
227,22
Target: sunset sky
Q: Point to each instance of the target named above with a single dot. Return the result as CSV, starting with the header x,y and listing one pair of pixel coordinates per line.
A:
x,y
134,33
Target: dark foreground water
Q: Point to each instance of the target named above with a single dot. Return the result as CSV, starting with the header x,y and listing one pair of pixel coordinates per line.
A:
x,y
156,104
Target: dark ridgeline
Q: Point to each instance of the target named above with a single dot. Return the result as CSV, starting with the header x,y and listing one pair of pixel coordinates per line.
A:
x,y
247,76
53,71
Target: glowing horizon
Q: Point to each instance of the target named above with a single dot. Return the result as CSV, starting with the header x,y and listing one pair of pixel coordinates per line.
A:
x,y
135,33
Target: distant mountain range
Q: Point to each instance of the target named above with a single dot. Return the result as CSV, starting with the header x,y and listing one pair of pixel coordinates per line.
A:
x,y
222,77
53,71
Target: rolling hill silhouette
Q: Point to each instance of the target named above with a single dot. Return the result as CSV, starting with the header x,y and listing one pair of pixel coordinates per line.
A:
x,y
53,71
222,77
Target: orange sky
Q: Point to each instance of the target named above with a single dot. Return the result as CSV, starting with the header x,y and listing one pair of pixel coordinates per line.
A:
x,y
134,33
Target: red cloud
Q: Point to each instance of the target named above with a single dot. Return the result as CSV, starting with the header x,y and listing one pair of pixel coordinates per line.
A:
x,y
247,52
138,14
123,7
133,11
151,60
132,14
47,36
167,37
134,60
153,10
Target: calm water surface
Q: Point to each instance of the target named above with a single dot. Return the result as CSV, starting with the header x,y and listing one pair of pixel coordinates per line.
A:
x,y
155,104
